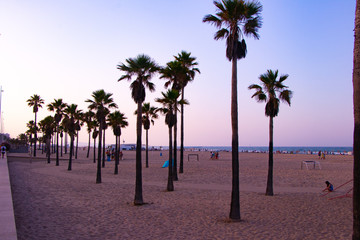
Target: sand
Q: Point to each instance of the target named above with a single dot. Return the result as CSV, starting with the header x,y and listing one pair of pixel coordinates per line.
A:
x,y
53,203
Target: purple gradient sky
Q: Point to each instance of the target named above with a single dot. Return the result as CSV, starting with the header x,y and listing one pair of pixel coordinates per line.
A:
x,y
67,49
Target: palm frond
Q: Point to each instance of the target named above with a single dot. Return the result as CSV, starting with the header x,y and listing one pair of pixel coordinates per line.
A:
x,y
286,96
213,20
222,33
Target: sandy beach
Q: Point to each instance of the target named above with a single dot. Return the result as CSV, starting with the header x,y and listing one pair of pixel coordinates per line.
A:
x,y
53,203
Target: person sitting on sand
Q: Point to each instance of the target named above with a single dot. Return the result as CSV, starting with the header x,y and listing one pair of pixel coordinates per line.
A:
x,y
329,187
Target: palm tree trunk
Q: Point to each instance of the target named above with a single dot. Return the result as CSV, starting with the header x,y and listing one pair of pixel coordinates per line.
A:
x,y
57,148
356,147
235,192
48,148
269,185
138,182
71,151
116,171
66,143
52,142
147,148
94,150
175,176
98,172
170,184
103,151
35,135
77,144
181,168
88,151
61,153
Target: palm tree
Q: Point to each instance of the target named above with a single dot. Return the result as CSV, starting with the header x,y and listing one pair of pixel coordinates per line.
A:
x,y
58,107
356,147
170,102
149,114
267,93
235,18
36,102
189,64
142,68
174,72
47,126
69,121
100,103
117,120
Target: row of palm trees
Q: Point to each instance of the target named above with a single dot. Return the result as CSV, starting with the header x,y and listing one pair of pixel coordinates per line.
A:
x,y
69,119
235,19
177,73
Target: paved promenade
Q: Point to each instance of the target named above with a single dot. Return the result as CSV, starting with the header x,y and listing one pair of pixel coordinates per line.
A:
x,y
7,221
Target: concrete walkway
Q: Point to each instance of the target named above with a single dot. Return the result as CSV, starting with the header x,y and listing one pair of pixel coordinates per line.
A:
x,y
7,220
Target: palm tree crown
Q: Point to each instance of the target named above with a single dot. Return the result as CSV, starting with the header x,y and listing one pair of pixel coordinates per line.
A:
x,y
142,68
117,120
188,62
170,102
58,107
36,102
236,18
268,92
100,103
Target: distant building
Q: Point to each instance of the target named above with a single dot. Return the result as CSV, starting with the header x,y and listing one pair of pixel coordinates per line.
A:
x,y
4,137
128,146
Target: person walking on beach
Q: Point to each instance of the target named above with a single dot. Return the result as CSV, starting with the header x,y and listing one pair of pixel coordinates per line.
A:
x,y
3,150
319,154
329,187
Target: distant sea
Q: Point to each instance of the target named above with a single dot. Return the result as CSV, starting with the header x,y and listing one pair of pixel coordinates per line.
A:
x,y
294,150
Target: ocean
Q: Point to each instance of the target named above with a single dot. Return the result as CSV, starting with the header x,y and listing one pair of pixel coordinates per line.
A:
x,y
294,150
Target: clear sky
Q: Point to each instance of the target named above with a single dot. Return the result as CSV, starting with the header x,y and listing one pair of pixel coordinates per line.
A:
x,y
70,48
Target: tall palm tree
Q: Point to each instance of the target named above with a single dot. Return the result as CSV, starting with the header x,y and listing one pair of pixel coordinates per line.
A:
x,y
36,102
58,107
356,147
71,112
235,19
88,118
142,68
100,103
48,126
189,64
170,102
174,72
117,120
149,113
267,93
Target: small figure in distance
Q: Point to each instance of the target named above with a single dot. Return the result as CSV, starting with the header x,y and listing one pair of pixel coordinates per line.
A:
x,y
3,150
319,154
329,187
